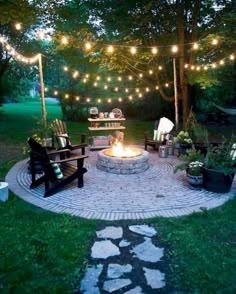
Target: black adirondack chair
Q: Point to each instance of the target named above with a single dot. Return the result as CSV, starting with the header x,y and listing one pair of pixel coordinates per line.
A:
x,y
70,172
63,137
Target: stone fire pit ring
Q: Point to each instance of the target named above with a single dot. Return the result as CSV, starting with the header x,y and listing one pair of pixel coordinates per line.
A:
x,y
123,165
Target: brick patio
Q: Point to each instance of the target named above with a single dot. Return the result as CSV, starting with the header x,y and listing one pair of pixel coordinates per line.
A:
x,y
155,192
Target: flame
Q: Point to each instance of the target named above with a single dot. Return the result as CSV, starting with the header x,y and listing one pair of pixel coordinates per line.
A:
x,y
118,150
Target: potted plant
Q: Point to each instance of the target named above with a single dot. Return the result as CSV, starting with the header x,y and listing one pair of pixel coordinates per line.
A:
x,y
200,138
184,140
220,166
192,164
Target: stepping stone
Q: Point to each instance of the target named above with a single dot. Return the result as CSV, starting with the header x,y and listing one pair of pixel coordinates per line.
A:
x,y
136,290
104,249
155,278
143,230
124,243
110,233
89,283
116,270
114,285
147,251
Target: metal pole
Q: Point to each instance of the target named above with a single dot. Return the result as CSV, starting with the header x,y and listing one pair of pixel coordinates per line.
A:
x,y
176,97
44,114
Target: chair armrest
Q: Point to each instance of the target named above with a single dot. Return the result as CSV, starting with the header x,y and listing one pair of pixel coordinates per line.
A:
x,y
71,159
58,151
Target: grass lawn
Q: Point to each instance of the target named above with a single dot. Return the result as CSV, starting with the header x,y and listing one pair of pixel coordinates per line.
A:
x,y
46,252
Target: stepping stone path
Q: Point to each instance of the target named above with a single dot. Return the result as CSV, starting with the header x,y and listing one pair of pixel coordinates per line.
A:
x,y
125,260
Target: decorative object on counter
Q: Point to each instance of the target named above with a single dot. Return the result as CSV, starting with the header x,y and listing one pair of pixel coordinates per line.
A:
x,y
93,112
101,115
117,113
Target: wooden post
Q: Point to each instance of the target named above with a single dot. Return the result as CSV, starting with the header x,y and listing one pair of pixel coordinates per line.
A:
x,y
44,114
176,97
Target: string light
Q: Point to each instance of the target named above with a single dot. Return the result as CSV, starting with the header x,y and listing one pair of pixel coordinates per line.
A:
x,y
110,49
18,26
140,75
87,76
133,50
45,89
140,95
65,68
137,90
154,50
195,46
77,98
119,79
95,84
157,88
130,78
120,99
99,100
166,85
85,80
116,89
213,65
105,87
55,93
150,72
88,100
205,67
98,78
108,79
88,46
66,96
130,97
174,48
64,40
214,41
109,100
147,89
126,90
231,57
75,75
222,62
160,67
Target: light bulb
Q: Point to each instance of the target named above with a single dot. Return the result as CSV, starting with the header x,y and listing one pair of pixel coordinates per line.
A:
x,y
88,46
214,41
66,96
150,72
195,46
77,98
18,26
174,48
133,50
64,40
154,50
110,49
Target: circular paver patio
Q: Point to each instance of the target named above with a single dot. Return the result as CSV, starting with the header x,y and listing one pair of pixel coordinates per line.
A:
x,y
155,192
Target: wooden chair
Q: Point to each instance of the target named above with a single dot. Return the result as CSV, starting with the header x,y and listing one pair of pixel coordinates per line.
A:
x,y
56,173
63,139
150,142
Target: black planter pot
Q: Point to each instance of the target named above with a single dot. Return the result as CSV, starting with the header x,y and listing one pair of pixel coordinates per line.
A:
x,y
215,181
183,148
202,148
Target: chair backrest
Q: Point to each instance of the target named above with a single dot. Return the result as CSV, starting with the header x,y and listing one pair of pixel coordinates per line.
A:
x,y
39,153
59,127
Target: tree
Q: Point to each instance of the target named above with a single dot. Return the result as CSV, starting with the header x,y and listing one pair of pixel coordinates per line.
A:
x,y
160,23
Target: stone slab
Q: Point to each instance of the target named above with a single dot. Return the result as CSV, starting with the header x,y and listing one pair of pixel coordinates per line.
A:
x,y
110,233
147,251
115,270
88,285
104,249
117,284
155,278
143,230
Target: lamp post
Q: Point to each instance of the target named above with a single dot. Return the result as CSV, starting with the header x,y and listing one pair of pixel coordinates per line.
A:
x,y
175,50
44,114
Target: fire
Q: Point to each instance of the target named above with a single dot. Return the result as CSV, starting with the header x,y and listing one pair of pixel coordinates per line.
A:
x,y
118,150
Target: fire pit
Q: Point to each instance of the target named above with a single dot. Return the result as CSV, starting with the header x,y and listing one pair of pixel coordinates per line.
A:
x,y
123,160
